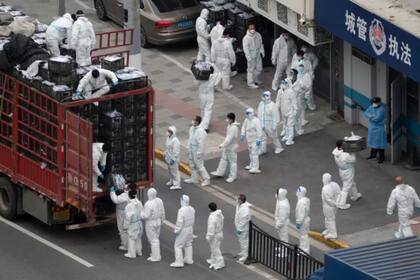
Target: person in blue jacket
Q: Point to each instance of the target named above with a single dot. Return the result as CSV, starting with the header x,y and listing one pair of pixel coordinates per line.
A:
x,y
376,114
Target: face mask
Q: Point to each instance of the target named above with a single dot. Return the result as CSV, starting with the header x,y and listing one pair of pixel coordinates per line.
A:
x,y
227,120
252,31
168,134
301,71
375,105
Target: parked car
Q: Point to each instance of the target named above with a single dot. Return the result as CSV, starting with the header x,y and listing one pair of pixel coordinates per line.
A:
x,y
162,21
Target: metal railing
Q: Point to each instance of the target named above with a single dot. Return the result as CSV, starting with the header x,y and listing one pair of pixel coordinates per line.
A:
x,y
284,258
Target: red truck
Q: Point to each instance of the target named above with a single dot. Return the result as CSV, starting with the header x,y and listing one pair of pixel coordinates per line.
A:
x,y
46,147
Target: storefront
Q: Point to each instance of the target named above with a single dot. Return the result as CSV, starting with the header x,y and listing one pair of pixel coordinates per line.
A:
x,y
380,59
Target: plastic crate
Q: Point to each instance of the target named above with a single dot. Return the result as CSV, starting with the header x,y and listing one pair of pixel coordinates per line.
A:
x,y
216,13
61,95
61,65
243,20
354,146
115,157
58,79
201,75
116,145
113,63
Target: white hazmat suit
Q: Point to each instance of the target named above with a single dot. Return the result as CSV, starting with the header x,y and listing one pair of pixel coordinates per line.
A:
x,y
98,158
345,163
120,202
203,36
254,52
282,215
268,114
405,198
134,227
184,229
223,55
301,87
206,93
281,57
57,31
330,193
172,158
252,132
154,215
303,220
215,236
286,102
229,153
216,32
242,219
83,40
196,150
91,87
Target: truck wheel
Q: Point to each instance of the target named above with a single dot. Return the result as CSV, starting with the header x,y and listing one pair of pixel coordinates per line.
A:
x,y
100,10
8,199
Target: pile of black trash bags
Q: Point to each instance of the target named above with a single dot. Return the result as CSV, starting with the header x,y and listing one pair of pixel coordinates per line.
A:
x,y
21,50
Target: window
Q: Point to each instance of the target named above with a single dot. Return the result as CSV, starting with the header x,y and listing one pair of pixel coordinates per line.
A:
x,y
165,6
282,12
263,5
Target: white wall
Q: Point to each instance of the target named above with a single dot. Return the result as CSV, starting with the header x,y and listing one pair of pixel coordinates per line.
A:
x,y
300,6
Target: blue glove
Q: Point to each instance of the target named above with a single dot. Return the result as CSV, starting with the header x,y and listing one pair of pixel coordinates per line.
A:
x,y
258,143
238,232
298,226
113,189
171,162
242,139
115,83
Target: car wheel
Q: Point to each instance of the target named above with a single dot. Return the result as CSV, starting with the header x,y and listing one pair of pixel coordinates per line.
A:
x,y
100,10
143,39
8,199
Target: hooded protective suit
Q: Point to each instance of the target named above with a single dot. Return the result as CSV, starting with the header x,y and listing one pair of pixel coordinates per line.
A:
x,y
206,93
134,227
303,220
345,163
242,219
286,102
98,158
215,236
83,40
330,193
154,215
254,52
196,150
229,152
172,158
405,198
224,57
216,32
281,57
281,215
376,129
120,202
57,31
268,114
184,229
91,87
303,85
203,36
252,131
311,57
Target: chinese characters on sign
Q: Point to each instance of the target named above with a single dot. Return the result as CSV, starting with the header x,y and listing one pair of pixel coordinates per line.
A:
x,y
357,26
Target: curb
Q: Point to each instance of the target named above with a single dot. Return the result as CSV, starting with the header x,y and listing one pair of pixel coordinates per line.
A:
x,y
332,243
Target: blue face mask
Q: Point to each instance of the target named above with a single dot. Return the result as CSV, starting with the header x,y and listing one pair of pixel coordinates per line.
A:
x,y
301,71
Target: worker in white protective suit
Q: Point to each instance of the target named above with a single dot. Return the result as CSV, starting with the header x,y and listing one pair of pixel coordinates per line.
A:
x,y
223,55
254,53
172,158
94,84
269,116
196,152
283,49
99,154
119,196
214,236
303,85
184,229
303,220
229,149
330,193
217,31
134,225
405,198
251,131
242,219
286,102
313,61
83,39
206,94
282,215
345,163
299,58
203,36
59,33
154,215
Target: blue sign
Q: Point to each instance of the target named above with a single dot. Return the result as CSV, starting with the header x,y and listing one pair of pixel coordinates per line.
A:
x,y
372,34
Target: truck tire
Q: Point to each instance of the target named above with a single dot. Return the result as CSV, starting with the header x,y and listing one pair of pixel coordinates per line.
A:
x,y
8,199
